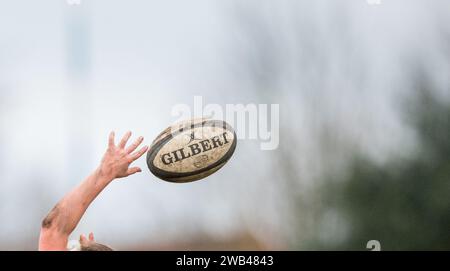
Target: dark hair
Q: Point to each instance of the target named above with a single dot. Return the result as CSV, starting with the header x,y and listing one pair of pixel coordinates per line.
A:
x,y
95,247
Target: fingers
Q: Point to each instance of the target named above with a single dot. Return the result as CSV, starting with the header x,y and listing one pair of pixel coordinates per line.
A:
x,y
83,239
91,236
133,170
124,140
135,144
111,139
139,153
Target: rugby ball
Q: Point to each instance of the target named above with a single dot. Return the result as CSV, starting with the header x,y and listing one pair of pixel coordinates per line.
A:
x,y
191,150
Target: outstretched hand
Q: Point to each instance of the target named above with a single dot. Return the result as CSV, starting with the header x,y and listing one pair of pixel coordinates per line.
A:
x,y
117,159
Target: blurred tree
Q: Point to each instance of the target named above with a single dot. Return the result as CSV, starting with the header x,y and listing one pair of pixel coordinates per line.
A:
x,y
404,204
333,195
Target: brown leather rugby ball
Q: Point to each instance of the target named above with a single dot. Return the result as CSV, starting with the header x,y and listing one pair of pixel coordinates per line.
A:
x,y
191,150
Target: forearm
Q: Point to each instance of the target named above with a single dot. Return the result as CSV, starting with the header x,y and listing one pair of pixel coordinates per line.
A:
x,y
65,216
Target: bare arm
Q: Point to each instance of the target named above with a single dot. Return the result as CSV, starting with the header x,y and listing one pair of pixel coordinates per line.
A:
x,y
64,217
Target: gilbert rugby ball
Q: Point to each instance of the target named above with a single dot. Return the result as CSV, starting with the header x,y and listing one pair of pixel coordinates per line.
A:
x,y
191,150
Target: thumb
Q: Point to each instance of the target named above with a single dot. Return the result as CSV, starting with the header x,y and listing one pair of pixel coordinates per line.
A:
x,y
133,170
